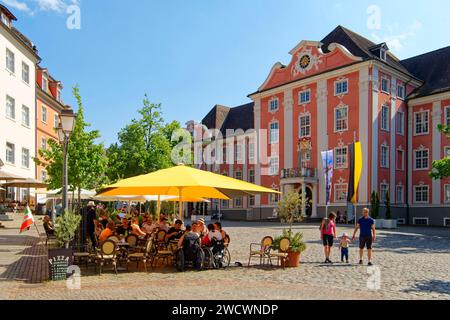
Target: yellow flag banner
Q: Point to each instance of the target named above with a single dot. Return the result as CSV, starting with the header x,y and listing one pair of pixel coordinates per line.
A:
x,y
355,157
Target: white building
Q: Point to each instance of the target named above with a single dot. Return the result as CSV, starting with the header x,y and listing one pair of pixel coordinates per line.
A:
x,y
18,60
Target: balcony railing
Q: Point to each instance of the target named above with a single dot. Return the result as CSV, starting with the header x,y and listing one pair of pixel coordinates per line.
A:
x,y
299,173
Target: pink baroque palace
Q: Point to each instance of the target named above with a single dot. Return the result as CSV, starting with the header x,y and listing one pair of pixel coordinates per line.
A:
x,y
333,92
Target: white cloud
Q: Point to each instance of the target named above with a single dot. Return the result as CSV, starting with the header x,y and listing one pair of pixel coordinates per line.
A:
x,y
51,5
396,42
21,6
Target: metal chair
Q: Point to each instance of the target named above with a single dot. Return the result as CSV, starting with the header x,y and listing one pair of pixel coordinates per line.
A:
x,y
282,254
107,253
114,238
142,256
263,250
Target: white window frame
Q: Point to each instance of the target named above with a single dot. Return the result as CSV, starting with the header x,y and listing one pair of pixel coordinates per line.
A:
x,y
340,82
272,134
43,172
402,198
401,221
306,126
27,123
343,120
236,204
274,166
13,162
59,95
402,159
304,92
344,164
427,112
12,108
447,116
44,111
274,100
385,118
250,175
339,187
7,61
383,195
403,95
238,150
44,82
421,218
446,151
27,162
415,159
274,198
27,73
251,152
384,79
400,123
383,54
251,201
446,193
385,148
43,143
415,194
56,120
236,173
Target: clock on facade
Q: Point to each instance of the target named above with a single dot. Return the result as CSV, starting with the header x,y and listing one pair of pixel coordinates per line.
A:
x,y
305,61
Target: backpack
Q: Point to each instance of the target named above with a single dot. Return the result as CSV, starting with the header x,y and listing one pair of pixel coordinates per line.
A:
x,y
191,247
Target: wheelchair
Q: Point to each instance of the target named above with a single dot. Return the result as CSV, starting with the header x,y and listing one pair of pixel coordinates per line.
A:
x,y
190,255
217,256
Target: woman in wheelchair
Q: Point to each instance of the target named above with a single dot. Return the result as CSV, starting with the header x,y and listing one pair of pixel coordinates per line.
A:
x,y
189,251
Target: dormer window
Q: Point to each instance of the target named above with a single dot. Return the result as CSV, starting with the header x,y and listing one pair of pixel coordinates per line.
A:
x,y
6,20
383,53
44,82
58,95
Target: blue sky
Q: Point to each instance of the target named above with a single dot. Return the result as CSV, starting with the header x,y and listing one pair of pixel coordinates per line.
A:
x,y
191,55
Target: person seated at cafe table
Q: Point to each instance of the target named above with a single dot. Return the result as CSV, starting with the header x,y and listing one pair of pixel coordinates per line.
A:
x,y
147,225
48,226
202,227
191,233
219,229
136,230
123,227
109,231
163,224
206,240
175,232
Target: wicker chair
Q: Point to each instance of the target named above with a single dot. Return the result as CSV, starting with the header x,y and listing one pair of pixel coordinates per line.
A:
x,y
144,256
262,252
282,254
107,254
162,250
114,238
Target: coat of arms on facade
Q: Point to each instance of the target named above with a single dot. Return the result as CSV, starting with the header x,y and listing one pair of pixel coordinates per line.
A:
x,y
306,60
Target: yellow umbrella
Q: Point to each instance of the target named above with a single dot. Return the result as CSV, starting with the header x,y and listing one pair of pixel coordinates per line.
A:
x,y
183,181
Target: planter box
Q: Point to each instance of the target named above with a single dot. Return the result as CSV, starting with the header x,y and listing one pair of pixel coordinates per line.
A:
x,y
390,224
379,223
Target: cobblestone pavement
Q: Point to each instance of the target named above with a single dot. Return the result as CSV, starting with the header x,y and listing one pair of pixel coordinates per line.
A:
x,y
413,262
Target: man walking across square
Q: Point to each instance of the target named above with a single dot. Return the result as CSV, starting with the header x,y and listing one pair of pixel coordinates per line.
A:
x,y
367,235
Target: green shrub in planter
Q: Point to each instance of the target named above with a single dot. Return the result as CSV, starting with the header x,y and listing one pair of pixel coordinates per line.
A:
x,y
296,239
66,227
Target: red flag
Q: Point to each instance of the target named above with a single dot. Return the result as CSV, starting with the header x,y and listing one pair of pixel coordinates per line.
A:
x,y
28,220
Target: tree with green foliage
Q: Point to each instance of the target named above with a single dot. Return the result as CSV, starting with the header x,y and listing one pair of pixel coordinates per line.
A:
x,y
375,204
387,203
66,227
441,168
289,209
143,146
86,162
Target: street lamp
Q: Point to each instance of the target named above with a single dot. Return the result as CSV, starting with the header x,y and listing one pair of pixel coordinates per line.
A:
x,y
65,130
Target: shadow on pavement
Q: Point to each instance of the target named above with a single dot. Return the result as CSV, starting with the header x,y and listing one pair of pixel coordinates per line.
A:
x,y
437,286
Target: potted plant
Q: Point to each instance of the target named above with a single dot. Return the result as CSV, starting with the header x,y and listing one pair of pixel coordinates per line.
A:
x,y
289,211
297,246
389,223
375,209
66,227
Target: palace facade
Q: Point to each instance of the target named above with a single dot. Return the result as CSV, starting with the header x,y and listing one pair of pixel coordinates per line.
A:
x,y
333,92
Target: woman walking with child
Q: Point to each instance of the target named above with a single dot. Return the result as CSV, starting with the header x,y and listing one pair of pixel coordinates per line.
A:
x,y
328,234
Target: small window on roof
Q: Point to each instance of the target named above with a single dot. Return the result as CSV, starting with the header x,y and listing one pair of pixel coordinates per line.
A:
x,y
383,54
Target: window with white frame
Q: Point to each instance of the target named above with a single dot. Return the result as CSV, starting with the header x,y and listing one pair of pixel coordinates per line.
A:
x,y
383,54
44,82
274,197
238,202
421,159
400,123
306,158
273,105
400,160
341,119
10,153
385,84
251,201
340,87
25,158
274,132
340,192
384,156
251,176
447,193
251,152
447,152
401,91
274,166
5,20
225,204
10,107
10,61
399,191
340,156
385,118
26,116
43,143
43,175
305,126
304,96
44,114
421,122
25,73
447,116
238,175
238,151
421,194
56,121
384,189
58,95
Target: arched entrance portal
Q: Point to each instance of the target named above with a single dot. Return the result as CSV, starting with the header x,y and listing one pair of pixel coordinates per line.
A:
x,y
309,199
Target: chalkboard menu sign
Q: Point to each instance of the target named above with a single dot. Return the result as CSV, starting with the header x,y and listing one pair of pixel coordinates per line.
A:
x,y
59,261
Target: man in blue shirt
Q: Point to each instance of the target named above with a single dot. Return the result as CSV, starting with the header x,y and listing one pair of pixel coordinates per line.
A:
x,y
367,235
